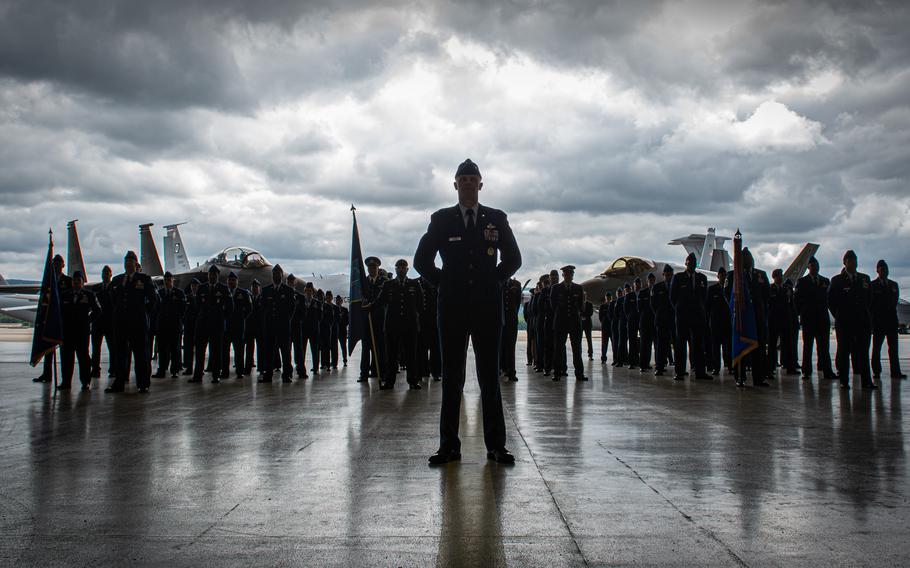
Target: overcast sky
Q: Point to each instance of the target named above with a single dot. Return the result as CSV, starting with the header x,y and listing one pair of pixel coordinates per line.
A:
x,y
601,128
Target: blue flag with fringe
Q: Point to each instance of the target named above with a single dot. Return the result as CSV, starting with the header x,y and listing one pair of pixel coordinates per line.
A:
x,y
355,297
745,328
48,333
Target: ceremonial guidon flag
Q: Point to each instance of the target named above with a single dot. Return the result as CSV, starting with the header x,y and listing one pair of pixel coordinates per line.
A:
x,y
48,333
355,297
745,329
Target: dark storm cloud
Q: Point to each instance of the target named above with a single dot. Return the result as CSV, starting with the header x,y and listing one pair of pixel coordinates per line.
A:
x,y
604,128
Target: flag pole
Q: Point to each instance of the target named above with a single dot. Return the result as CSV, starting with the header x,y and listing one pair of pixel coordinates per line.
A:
x,y
369,316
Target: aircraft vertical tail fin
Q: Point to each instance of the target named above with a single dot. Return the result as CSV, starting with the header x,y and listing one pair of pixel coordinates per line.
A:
x,y
798,267
2,280
148,252
74,259
706,255
175,259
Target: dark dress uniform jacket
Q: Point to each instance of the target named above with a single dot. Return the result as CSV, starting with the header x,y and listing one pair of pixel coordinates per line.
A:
x,y
850,302
243,305
215,306
475,266
79,310
567,302
402,300
812,302
718,309
884,305
133,301
171,308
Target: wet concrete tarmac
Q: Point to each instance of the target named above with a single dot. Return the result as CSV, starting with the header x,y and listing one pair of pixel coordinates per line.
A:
x,y
626,469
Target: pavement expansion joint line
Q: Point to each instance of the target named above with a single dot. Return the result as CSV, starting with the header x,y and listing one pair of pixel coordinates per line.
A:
x,y
704,530
562,515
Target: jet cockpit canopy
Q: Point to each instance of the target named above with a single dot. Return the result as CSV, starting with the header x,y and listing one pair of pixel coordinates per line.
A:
x,y
628,265
240,257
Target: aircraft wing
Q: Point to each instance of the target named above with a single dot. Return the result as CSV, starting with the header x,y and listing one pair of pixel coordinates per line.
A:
x,y
798,267
20,289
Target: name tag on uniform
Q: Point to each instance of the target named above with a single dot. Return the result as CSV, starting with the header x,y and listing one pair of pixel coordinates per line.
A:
x,y
453,239
140,285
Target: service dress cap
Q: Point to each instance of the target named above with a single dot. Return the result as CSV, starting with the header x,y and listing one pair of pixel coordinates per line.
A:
x,y
131,254
468,168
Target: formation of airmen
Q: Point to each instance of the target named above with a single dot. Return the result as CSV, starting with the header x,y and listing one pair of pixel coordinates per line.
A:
x,y
195,330
677,319
682,320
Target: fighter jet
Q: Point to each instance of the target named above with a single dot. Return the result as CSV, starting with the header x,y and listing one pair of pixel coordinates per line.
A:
x,y
20,300
708,248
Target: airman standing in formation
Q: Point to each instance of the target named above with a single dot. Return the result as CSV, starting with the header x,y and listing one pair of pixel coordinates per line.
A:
x,y
278,304
885,295
780,302
688,290
632,315
618,319
850,300
606,325
189,326
79,308
310,309
134,300
645,325
511,303
103,325
372,358
719,325
811,300
253,336
344,319
567,301
215,307
401,298
169,322
664,321
330,353
235,329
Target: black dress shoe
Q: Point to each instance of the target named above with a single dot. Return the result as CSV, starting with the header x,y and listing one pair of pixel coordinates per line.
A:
x,y
188,373
704,377
555,378
63,387
581,378
41,379
437,379
870,386
362,380
762,383
546,373
158,375
679,377
876,377
899,376
195,380
443,456
386,386
86,388
659,373
143,390
215,380
513,379
113,389
807,377
174,375
264,380
415,386
501,455
286,380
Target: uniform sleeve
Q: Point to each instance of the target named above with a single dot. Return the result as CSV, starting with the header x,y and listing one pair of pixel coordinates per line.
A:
x,y
510,255
425,255
833,297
